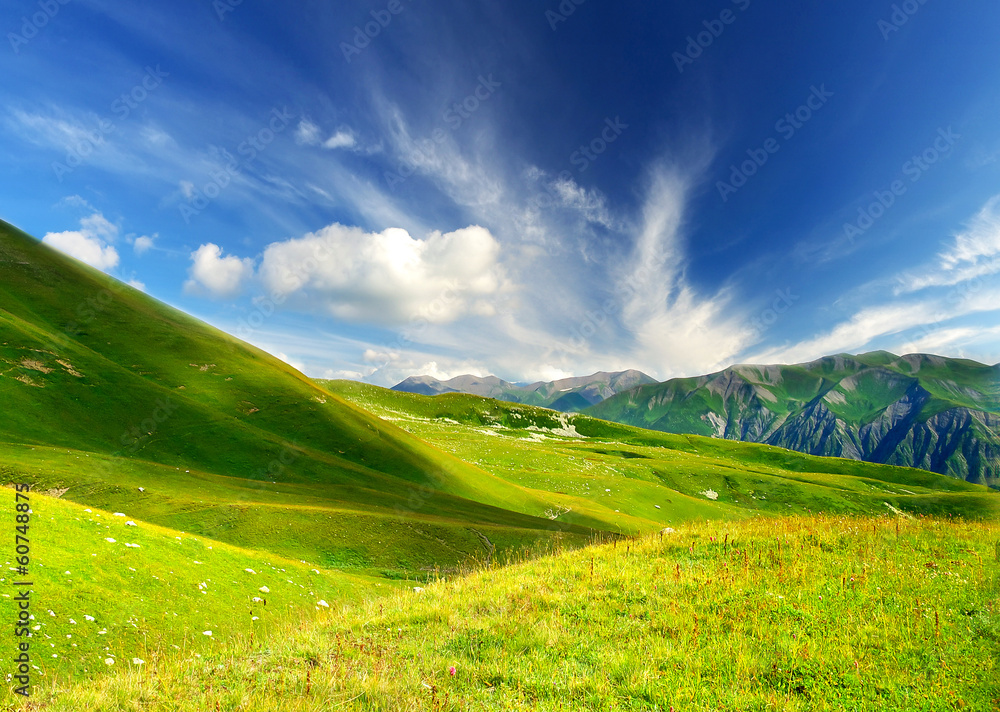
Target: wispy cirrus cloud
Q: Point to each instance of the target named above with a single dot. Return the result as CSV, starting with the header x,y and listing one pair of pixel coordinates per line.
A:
x,y
921,309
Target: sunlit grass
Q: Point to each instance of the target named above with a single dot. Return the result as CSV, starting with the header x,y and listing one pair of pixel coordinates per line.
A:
x,y
812,613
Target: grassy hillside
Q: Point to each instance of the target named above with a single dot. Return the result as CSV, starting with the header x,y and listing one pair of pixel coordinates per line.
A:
x,y
620,478
113,594
799,613
105,390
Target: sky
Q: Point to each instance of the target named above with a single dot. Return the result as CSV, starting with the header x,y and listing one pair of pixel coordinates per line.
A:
x,y
386,188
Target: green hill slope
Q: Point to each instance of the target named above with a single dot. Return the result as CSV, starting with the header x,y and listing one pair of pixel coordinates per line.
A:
x,y
113,594
923,411
620,478
105,389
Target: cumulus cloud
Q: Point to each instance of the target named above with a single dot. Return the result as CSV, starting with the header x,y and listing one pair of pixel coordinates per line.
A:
x,y
342,139
388,277
142,244
215,275
90,244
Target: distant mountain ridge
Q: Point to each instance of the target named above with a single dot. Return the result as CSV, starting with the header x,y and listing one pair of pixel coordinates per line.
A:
x,y
569,395
919,410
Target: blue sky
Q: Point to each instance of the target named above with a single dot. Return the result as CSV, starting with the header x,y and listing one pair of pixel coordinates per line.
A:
x,y
531,189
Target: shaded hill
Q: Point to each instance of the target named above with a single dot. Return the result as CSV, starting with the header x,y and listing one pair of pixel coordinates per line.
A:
x,y
918,410
104,390
569,395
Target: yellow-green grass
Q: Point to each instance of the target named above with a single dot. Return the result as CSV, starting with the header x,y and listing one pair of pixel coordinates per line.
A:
x,y
796,613
110,588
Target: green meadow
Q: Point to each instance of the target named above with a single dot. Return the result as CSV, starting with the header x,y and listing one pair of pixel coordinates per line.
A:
x,y
796,613
212,530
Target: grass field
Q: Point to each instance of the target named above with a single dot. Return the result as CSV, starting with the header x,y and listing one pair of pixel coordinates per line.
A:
x,y
621,478
233,473
109,588
797,613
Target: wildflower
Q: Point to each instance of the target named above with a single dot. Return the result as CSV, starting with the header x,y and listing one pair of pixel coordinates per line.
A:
x,y
208,633
451,671
109,661
264,589
323,603
138,661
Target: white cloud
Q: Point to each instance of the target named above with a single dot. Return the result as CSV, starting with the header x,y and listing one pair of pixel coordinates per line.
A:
x,y
677,331
591,204
297,365
341,374
217,275
387,277
973,254
924,321
135,283
342,139
142,244
90,243
307,133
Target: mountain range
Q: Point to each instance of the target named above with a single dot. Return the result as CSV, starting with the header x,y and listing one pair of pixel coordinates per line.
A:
x,y
568,395
919,410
